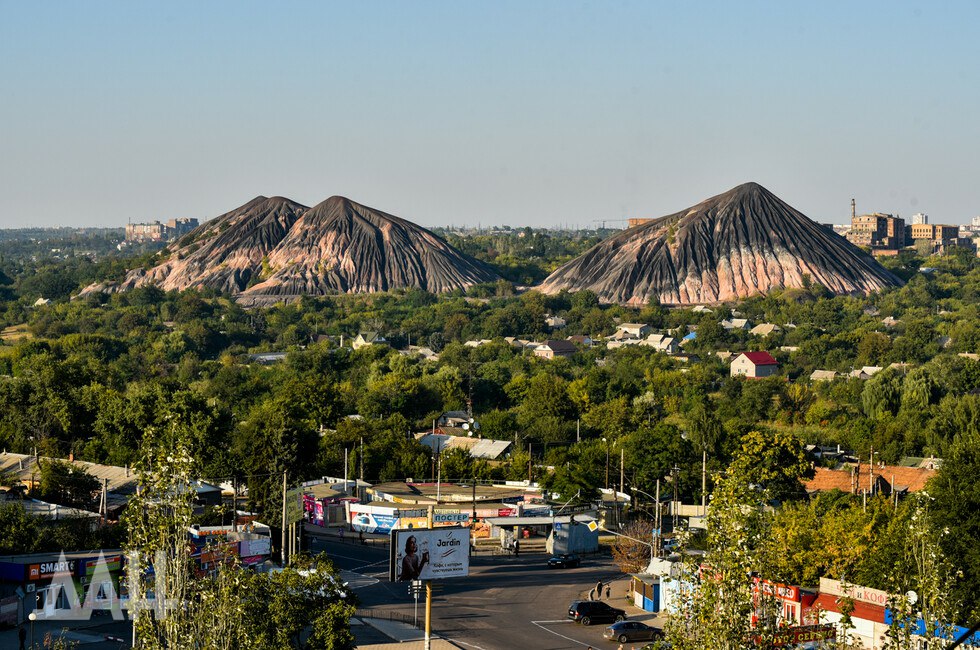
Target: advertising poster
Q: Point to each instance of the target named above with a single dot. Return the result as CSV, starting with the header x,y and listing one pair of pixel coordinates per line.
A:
x,y
451,519
429,554
294,505
313,509
439,520
381,519
372,522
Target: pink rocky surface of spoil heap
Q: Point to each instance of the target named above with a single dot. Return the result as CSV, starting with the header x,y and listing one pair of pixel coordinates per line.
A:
x,y
741,243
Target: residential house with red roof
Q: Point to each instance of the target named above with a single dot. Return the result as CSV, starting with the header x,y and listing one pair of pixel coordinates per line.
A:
x,y
754,364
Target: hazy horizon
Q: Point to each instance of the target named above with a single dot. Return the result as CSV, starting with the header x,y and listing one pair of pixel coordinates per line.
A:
x,y
550,115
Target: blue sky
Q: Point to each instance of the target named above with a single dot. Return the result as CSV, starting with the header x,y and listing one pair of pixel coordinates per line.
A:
x,y
519,113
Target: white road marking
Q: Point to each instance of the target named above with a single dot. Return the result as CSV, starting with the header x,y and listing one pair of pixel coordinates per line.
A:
x,y
348,557
357,580
567,638
561,620
365,566
468,645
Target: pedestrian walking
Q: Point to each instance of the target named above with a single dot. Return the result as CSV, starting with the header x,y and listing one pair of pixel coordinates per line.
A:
x,y
517,547
598,590
607,591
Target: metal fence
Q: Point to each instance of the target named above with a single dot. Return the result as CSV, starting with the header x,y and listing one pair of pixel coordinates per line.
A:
x,y
386,615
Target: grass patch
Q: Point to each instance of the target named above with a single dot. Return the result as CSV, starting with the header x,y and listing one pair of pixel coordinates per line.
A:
x,y
15,333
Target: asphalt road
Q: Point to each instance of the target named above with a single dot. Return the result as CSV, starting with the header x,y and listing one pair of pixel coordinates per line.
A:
x,y
506,602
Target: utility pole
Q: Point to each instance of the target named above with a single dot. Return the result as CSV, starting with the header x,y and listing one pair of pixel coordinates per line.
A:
x,y
104,506
676,471
622,476
438,481
234,503
345,471
529,448
656,519
283,541
871,471
704,483
362,458
428,598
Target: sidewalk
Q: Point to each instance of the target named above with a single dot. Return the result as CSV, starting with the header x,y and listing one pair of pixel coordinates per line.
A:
x,y
90,634
370,634
400,635
618,598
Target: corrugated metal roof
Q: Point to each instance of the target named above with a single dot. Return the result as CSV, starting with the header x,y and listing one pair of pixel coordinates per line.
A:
x,y
121,480
477,447
760,358
490,449
537,521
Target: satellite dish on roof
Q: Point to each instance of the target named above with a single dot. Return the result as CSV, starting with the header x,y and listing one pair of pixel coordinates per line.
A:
x,y
466,426
912,597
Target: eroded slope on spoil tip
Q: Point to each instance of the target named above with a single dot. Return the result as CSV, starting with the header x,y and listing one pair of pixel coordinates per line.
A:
x,y
272,248
744,242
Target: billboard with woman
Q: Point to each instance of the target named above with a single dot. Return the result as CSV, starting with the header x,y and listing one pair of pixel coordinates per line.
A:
x,y
423,554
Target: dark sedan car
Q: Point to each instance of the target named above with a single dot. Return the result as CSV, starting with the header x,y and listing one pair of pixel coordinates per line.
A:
x,y
564,561
588,612
626,631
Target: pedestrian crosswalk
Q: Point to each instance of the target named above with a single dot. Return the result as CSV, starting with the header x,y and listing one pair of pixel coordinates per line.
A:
x,y
357,580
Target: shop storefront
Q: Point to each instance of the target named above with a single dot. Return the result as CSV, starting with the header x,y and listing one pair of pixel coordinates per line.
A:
x,y
791,605
323,511
33,581
251,544
383,519
867,611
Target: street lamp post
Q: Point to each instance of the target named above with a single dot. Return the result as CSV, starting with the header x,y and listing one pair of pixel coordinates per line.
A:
x,y
439,472
656,516
607,462
33,617
640,541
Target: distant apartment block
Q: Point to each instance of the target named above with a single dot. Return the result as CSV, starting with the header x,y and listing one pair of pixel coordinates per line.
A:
x,y
975,223
877,231
918,218
156,231
144,231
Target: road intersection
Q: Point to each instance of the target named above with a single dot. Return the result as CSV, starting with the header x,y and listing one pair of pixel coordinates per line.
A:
x,y
507,602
